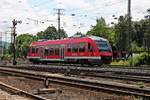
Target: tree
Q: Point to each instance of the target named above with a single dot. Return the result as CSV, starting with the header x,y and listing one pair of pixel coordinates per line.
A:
x,y
122,36
23,42
147,33
78,34
100,29
62,34
51,33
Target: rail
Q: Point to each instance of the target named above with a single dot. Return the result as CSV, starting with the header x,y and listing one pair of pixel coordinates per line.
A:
x,y
84,83
17,91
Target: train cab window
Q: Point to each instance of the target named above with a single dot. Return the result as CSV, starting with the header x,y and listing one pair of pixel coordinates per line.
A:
x,y
46,52
82,47
33,50
90,49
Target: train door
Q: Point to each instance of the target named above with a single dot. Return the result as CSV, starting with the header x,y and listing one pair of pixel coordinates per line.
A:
x,y
90,50
42,52
62,51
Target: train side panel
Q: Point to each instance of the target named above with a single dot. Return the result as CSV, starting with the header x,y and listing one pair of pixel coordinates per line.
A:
x,y
79,50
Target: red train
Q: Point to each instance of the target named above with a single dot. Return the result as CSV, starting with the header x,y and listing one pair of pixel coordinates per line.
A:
x,y
84,50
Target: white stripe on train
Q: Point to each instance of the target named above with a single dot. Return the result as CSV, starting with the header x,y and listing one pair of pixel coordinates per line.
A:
x,y
68,57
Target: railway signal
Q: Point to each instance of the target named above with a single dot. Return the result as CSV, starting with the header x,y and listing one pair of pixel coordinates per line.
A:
x,y
15,22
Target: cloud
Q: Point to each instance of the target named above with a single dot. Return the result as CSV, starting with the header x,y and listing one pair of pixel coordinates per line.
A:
x,y
74,3
86,11
22,10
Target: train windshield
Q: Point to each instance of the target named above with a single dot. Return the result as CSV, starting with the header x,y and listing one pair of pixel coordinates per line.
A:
x,y
103,46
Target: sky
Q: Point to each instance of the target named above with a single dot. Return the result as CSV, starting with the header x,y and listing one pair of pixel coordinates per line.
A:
x,y
37,15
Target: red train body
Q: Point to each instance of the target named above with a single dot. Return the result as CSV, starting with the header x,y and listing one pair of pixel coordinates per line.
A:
x,y
86,50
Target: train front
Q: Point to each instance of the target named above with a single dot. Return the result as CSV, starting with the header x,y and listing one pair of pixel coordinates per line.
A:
x,y
104,49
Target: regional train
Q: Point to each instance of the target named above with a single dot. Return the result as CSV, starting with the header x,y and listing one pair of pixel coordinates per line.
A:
x,y
81,50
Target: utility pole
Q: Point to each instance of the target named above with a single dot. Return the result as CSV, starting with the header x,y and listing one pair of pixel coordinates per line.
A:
x,y
129,35
1,44
14,40
129,22
59,12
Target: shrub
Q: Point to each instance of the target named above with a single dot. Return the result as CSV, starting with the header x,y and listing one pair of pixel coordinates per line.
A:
x,y
121,62
140,59
6,57
140,84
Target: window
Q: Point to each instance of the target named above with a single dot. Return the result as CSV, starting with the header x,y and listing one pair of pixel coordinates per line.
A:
x,y
33,50
69,48
46,52
36,50
103,46
75,48
90,47
56,51
51,51
82,47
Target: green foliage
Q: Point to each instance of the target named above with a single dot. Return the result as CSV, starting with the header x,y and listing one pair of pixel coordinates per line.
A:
x,y
135,47
10,49
51,33
78,34
121,62
140,59
6,57
100,29
140,84
122,36
23,42
146,43
139,32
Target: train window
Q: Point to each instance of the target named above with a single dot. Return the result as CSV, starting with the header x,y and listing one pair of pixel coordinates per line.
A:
x,y
33,50
46,52
36,50
90,47
69,48
51,51
74,48
103,46
82,47
56,51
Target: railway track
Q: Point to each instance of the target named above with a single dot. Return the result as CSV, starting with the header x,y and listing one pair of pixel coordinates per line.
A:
x,y
16,91
77,70
120,77
79,82
92,72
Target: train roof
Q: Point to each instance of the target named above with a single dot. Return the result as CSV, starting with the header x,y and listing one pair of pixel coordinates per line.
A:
x,y
67,40
97,38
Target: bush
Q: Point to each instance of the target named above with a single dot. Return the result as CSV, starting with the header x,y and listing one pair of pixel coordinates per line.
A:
x,y
140,59
121,62
6,57
140,84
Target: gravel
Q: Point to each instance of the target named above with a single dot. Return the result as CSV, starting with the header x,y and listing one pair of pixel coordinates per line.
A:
x,y
6,96
62,93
